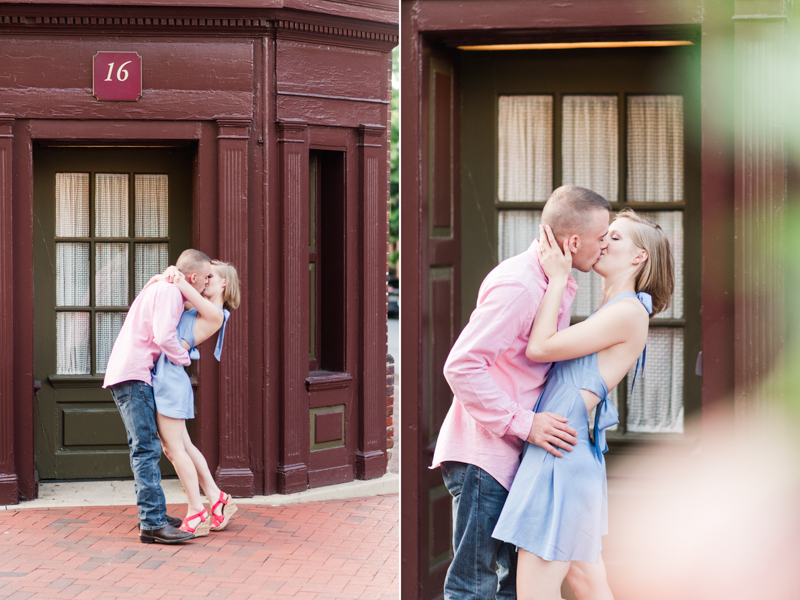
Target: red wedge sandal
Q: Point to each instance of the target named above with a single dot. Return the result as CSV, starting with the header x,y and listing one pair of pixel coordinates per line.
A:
x,y
202,528
220,522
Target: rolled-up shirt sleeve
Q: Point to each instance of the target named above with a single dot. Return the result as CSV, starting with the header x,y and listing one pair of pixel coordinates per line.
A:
x,y
505,312
169,307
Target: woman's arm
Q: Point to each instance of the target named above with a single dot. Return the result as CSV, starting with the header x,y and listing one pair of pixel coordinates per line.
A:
x,y
556,266
206,309
618,323
621,322
170,274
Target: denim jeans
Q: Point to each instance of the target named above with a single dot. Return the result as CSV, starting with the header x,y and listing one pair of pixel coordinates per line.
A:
x,y
483,568
137,406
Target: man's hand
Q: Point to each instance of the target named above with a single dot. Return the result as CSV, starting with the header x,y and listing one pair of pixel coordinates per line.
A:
x,y
550,430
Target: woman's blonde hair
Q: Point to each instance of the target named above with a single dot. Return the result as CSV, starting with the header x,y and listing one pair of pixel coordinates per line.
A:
x,y
230,295
656,275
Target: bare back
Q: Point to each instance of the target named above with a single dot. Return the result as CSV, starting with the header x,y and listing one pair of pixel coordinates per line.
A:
x,y
615,361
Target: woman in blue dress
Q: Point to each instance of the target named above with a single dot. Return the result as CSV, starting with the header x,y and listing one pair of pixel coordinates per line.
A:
x,y
556,510
206,315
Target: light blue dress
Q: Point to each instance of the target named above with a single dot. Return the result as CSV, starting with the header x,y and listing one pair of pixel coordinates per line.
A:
x,y
172,387
557,508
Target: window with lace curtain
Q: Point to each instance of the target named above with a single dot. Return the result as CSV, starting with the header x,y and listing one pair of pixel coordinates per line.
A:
x,y
597,134
111,237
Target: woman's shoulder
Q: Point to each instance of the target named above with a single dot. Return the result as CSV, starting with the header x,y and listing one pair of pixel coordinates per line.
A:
x,y
627,313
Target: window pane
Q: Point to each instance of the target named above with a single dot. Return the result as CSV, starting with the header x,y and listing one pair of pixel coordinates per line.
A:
x,y
111,275
111,205
106,330
72,274
672,224
72,343
150,259
656,405
151,205
525,152
590,293
589,144
312,311
655,149
516,230
72,204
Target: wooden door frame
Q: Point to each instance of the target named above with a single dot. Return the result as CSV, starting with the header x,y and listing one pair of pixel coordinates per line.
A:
x,y
18,297
57,395
497,21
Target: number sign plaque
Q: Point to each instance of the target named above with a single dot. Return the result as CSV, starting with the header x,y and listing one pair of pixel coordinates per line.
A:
x,y
117,76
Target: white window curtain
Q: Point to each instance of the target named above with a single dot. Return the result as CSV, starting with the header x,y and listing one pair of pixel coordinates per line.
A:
x,y
72,343
72,274
655,149
656,405
111,205
111,275
525,148
152,205
107,328
589,144
72,204
516,230
150,259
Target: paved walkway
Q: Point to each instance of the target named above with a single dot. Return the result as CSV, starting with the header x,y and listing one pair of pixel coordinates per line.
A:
x,y
332,550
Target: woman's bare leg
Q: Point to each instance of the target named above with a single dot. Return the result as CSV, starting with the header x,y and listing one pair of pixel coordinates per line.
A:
x,y
539,579
172,431
589,581
201,466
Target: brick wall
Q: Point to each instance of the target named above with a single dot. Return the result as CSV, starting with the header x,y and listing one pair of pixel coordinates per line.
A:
x,y
389,406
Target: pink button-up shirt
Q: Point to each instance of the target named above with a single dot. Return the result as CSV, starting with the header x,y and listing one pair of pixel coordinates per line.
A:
x,y
495,385
149,329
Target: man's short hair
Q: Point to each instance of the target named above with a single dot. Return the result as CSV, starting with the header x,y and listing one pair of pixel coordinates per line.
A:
x,y
191,261
567,208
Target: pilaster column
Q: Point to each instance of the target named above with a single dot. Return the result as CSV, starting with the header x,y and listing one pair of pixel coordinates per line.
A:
x,y
760,203
234,474
295,436
9,486
373,199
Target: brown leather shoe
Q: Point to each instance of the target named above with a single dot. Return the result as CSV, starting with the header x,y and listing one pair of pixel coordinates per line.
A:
x,y
166,535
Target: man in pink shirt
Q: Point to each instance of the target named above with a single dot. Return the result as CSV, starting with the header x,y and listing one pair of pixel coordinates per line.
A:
x,y
150,328
495,389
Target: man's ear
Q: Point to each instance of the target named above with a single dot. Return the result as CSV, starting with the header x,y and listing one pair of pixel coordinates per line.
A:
x,y
191,277
573,244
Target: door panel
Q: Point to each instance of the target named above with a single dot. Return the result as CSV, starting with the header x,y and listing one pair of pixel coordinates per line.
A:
x,y
105,220
440,309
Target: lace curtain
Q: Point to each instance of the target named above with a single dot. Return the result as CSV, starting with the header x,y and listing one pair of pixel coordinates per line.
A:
x,y
525,148
590,159
655,148
589,144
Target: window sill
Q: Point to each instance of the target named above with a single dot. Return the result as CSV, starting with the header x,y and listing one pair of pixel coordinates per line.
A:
x,y
639,443
76,381
327,380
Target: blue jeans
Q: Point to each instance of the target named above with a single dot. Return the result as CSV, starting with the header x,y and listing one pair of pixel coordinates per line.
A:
x,y
137,406
483,567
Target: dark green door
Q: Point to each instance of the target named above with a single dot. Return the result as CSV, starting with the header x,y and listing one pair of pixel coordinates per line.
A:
x,y
105,220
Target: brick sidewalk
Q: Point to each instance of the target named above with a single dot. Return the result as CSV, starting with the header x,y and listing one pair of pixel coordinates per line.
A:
x,y
340,549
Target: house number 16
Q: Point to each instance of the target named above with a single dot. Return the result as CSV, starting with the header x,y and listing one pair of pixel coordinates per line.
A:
x,y
116,76
120,71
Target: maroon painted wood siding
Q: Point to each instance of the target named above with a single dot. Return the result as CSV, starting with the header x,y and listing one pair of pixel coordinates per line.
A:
x,y
252,87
